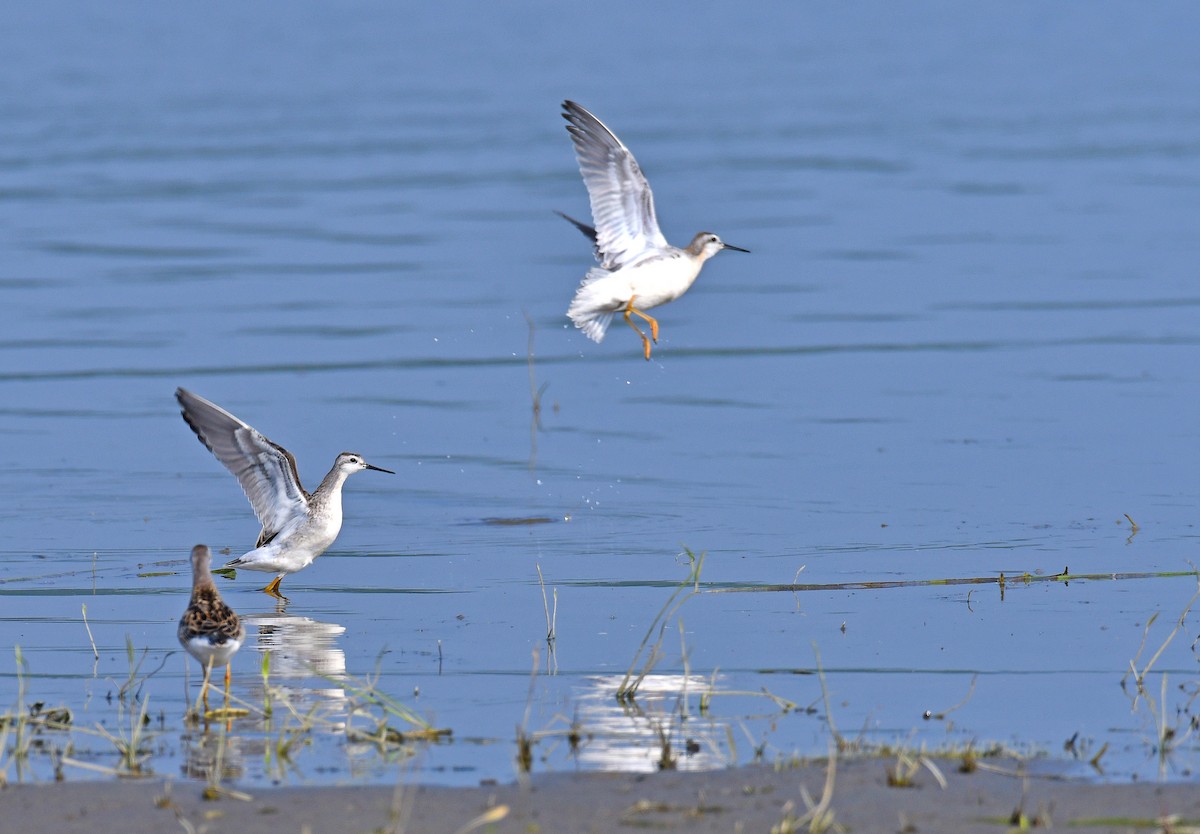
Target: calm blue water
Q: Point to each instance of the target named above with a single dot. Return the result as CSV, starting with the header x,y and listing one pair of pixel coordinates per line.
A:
x,y
966,343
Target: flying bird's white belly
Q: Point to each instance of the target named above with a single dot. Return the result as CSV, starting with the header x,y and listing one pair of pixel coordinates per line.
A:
x,y
655,281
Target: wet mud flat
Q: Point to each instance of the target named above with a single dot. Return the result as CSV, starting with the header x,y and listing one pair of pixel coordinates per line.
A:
x,y
996,797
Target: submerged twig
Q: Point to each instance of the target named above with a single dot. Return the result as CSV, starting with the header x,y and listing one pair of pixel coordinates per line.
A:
x,y
1002,580
939,716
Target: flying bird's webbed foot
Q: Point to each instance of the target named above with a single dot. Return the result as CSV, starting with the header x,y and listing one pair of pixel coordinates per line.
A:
x,y
273,588
653,325
638,330
630,309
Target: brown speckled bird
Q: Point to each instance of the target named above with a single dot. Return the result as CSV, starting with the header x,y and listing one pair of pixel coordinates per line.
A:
x,y
210,630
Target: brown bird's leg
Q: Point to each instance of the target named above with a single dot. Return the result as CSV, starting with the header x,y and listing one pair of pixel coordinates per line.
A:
x,y
228,672
204,686
629,308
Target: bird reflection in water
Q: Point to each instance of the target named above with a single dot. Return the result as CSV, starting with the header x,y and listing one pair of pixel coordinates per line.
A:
x,y
300,649
207,752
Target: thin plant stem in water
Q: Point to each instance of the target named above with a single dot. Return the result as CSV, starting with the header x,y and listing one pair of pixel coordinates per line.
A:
x,y
838,738
629,684
92,640
1167,738
129,745
535,395
1139,676
17,726
551,618
551,625
265,671
214,789
133,683
524,739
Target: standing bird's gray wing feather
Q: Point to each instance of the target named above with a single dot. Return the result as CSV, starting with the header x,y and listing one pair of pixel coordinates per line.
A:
x,y
266,470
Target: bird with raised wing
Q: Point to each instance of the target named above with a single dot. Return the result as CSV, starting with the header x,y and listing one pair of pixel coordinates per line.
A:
x,y
638,269
297,526
209,630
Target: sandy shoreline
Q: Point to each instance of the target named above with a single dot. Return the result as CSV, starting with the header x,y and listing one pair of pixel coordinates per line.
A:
x,y
743,799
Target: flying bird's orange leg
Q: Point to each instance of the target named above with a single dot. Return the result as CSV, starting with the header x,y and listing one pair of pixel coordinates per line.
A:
x,y
629,308
653,323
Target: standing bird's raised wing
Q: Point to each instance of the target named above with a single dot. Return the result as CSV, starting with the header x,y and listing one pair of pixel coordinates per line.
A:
x,y
622,204
266,470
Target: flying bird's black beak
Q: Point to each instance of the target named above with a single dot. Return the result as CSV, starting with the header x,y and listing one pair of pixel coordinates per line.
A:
x,y
735,248
378,468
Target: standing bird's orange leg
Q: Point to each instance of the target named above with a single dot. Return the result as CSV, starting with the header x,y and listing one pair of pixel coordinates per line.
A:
x,y
273,588
629,308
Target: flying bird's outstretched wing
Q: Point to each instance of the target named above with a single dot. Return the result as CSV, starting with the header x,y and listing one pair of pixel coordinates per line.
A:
x,y
622,203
